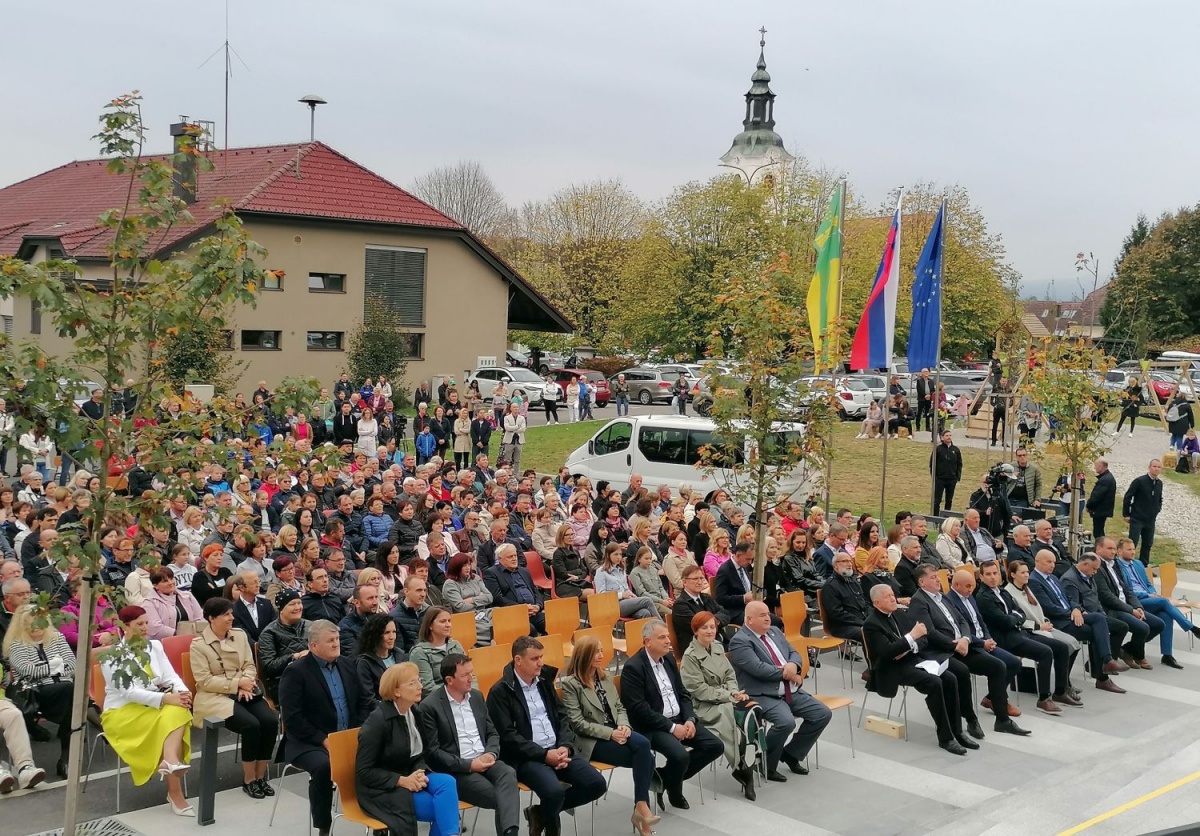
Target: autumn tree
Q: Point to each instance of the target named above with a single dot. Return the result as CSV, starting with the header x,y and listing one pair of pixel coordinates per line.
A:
x,y
1126,310
466,193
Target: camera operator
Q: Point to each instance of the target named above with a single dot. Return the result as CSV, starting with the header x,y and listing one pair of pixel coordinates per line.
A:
x,y
990,499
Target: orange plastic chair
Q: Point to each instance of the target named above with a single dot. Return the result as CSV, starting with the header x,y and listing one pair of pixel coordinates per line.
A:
x,y
175,647
832,703
604,634
537,571
632,642
675,648
562,618
509,623
189,678
944,579
794,612
489,663
462,628
552,651
343,748
604,610
1167,579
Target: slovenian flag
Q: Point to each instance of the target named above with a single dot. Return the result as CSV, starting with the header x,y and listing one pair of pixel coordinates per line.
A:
x,y
873,341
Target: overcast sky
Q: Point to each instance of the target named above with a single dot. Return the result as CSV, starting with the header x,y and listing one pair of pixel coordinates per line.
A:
x,y
1063,119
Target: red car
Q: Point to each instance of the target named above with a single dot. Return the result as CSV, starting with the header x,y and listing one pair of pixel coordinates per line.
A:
x,y
595,379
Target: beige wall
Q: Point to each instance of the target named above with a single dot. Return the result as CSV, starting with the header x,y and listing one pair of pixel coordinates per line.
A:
x,y
466,302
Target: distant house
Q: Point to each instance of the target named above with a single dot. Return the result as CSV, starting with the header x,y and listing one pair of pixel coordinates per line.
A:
x,y
1070,319
340,233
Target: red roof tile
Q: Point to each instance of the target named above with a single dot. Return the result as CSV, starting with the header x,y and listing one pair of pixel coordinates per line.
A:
x,y
63,203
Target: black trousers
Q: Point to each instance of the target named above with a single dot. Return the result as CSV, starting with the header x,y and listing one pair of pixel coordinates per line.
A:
x,y
942,696
1102,634
54,703
584,785
685,757
258,725
993,668
1064,659
1021,644
924,410
551,407
1140,631
997,421
1098,524
943,487
1142,535
320,785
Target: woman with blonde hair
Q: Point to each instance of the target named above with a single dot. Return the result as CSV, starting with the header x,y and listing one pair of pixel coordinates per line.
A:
x,y
705,526
745,534
816,516
602,730
877,570
719,552
950,547
571,577
42,663
192,533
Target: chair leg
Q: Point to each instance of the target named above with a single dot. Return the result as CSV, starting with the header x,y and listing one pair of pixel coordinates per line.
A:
x,y
88,772
904,711
850,723
863,709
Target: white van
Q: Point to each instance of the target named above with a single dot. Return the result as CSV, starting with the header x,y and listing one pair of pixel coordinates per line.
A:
x,y
664,449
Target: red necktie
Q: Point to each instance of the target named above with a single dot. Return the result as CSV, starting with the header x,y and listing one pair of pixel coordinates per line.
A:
x,y
787,686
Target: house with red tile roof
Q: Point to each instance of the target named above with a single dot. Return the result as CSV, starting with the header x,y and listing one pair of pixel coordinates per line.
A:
x,y
339,233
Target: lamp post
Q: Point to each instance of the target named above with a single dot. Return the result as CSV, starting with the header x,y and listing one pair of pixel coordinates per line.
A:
x,y
312,101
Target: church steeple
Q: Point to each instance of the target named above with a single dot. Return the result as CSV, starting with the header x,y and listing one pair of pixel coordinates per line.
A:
x,y
758,147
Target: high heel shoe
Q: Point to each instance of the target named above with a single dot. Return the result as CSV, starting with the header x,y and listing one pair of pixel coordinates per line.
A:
x,y
187,811
641,824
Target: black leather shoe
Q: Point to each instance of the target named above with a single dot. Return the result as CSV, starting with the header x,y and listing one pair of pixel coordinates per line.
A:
x,y
265,786
662,801
1170,662
679,802
776,776
794,765
533,815
60,769
953,747
966,742
253,790
975,730
1009,727
744,775
40,733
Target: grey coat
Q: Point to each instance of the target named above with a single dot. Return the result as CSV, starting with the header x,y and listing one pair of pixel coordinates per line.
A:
x,y
585,714
711,681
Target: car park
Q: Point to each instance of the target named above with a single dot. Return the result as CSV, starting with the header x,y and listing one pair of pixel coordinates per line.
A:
x,y
877,383
513,377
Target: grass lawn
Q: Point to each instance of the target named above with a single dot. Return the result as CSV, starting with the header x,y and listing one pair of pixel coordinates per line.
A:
x,y
546,448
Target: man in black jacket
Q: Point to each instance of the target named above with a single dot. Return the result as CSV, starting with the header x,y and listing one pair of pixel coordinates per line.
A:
x,y
1022,547
1119,602
409,611
660,708
924,401
510,584
929,554
1143,501
536,740
896,643
455,716
319,602
842,597
354,541
693,599
319,695
1102,501
946,465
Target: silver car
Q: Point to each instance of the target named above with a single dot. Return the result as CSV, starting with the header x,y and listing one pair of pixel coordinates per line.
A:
x,y
513,377
648,384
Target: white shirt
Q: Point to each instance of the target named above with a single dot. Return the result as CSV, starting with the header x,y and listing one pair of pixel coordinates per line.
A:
x,y
971,613
470,743
539,717
663,680
937,599
1111,566
252,608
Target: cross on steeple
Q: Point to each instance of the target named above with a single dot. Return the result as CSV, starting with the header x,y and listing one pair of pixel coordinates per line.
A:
x,y
763,39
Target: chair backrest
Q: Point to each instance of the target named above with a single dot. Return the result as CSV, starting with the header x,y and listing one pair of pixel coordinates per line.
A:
x,y
562,615
604,634
821,611
552,653
537,570
96,687
944,579
604,610
1167,579
633,633
343,749
675,648
509,623
174,647
462,628
489,664
795,612
185,671
616,680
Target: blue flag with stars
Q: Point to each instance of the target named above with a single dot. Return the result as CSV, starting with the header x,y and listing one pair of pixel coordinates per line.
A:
x,y
926,325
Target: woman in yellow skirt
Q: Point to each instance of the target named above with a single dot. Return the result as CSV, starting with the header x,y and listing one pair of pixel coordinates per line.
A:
x,y
147,713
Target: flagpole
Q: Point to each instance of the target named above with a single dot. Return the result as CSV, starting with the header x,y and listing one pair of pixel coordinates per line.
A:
x,y
937,371
835,355
887,411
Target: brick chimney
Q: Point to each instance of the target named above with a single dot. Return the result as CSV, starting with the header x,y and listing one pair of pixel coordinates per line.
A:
x,y
186,135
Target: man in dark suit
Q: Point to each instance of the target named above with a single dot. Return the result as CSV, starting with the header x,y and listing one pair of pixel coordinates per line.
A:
x,y
962,599
660,708
924,401
1071,605
694,599
844,602
896,643
949,631
251,611
910,558
769,670
824,554
536,740
1143,501
510,584
498,536
1022,546
946,465
456,716
1119,602
319,695
1005,619
1102,501
732,583
1043,538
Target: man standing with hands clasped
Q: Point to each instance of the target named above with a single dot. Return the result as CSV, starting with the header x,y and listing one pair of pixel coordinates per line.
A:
x,y
1143,501
946,464
768,669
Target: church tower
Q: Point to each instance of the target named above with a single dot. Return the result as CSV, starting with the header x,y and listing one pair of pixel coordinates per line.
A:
x,y
757,150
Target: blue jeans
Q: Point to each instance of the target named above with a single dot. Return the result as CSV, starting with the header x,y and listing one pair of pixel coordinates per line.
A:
x,y
1166,611
438,804
622,405
1176,440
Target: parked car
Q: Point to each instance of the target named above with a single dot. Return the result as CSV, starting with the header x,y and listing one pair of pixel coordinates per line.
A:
x,y
514,377
853,396
690,371
1164,386
648,384
594,378
516,359
877,383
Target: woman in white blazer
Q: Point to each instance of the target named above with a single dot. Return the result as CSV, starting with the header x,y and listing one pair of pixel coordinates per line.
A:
x,y
147,717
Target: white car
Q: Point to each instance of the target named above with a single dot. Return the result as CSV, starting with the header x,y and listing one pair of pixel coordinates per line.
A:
x,y
513,377
853,396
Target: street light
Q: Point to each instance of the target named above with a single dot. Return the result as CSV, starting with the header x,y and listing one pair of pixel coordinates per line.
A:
x,y
312,101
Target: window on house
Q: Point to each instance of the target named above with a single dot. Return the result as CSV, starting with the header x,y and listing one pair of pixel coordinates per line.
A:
x,y
35,316
325,340
326,282
8,325
260,340
225,340
416,347
395,285
272,280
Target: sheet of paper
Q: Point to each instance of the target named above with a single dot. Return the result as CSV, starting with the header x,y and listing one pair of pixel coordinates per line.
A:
x,y
935,668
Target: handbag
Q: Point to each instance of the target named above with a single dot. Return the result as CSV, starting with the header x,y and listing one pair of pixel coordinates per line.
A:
x,y
25,699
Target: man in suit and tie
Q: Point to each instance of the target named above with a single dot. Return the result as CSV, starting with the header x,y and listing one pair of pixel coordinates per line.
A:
x,y
834,543
962,599
896,643
319,695
1119,602
1043,533
1102,501
511,584
1005,618
949,631
660,708
1140,507
1069,611
733,586
693,599
461,740
768,669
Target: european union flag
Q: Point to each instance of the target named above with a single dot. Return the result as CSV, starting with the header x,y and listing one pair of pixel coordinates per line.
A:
x,y
926,326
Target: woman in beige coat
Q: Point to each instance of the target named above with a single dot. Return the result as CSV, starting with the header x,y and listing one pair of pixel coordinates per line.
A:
x,y
227,688
709,678
1035,617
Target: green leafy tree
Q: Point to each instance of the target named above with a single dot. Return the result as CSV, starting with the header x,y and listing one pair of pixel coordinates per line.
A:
x,y
771,427
378,347
199,355
118,327
1125,313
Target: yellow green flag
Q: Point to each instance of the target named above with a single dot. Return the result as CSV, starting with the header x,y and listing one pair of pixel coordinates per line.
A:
x,y
823,292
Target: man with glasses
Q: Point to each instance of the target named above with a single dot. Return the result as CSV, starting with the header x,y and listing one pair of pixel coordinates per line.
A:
x,y
693,599
122,566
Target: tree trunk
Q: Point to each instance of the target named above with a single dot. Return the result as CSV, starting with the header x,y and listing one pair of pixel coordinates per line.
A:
x,y
79,700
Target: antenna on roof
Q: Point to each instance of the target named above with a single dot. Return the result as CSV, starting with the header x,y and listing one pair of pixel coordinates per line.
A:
x,y
228,50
